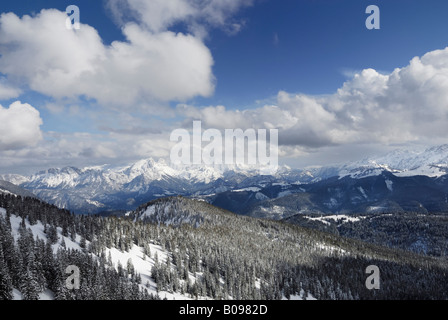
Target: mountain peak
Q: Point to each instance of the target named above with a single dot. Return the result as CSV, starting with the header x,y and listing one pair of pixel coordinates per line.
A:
x,y
432,162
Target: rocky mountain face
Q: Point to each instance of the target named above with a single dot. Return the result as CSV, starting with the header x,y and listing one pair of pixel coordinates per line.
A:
x,y
400,180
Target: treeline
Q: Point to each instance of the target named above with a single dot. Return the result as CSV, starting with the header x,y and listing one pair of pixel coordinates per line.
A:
x,y
211,253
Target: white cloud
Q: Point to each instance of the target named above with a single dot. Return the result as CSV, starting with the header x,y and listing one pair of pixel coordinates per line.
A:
x,y
156,15
7,91
65,63
84,149
154,65
20,126
371,111
408,105
160,15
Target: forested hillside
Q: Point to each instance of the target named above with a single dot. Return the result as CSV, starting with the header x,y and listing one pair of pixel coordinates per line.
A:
x,y
412,231
181,248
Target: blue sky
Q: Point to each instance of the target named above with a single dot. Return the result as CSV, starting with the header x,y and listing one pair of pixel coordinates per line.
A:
x,y
318,41
285,55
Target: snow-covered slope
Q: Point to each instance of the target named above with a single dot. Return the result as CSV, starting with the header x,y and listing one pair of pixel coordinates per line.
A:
x,y
10,188
225,257
141,262
431,162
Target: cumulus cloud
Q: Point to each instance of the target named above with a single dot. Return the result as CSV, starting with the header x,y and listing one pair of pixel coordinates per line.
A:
x,y
368,112
84,149
408,105
20,126
63,63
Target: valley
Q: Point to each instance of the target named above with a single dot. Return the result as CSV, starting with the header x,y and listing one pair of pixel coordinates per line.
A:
x,y
158,232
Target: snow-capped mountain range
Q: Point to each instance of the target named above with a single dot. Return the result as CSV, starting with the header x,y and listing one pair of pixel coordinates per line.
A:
x,y
102,188
94,189
431,162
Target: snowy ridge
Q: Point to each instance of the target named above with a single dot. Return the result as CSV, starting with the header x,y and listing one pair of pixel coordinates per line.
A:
x,y
431,162
175,211
337,217
115,177
9,188
92,189
107,188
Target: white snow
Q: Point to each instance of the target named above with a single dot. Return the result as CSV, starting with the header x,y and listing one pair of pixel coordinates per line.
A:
x,y
16,294
432,162
142,266
260,196
336,217
373,209
6,192
95,203
45,295
275,209
252,189
284,193
389,184
280,184
38,231
326,247
362,192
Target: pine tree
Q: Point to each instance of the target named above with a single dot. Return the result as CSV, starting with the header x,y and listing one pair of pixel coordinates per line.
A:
x,y
130,267
29,286
120,269
5,279
65,230
83,243
22,223
63,245
52,234
60,290
109,259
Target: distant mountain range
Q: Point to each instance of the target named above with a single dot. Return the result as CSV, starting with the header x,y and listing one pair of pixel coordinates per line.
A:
x,y
401,180
104,188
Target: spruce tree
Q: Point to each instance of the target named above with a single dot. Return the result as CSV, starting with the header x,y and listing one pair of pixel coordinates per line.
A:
x,y
29,286
52,234
130,267
5,279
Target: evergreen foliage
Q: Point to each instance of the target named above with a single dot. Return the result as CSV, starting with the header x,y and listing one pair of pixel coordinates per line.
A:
x,y
212,253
